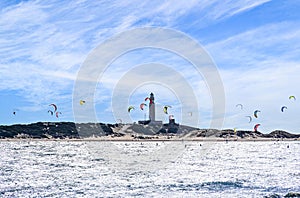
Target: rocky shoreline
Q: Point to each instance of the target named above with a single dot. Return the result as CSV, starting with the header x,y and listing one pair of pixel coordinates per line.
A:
x,y
101,131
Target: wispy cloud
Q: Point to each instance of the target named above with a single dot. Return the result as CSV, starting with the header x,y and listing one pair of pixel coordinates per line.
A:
x,y
270,42
228,8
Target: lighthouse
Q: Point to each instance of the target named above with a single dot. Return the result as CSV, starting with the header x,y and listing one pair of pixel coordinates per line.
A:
x,y
151,108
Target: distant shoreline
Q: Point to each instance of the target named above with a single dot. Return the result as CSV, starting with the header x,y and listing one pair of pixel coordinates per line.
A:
x,y
70,131
160,139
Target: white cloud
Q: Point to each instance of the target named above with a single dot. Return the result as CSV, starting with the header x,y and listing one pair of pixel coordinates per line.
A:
x,y
220,10
270,42
210,12
249,4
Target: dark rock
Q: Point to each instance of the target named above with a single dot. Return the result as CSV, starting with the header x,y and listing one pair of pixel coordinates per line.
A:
x,y
162,131
283,134
145,129
252,134
273,196
292,194
59,130
172,129
213,133
93,129
144,122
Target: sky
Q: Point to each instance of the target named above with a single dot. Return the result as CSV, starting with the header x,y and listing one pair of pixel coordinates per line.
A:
x,y
254,44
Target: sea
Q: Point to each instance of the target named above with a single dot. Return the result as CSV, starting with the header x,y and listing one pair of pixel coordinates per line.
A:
x,y
67,168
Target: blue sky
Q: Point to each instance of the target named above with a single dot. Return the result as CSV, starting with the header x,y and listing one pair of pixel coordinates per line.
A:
x,y
255,45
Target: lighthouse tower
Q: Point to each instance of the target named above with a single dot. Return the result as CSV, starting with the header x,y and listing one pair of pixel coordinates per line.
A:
x,y
151,108
156,124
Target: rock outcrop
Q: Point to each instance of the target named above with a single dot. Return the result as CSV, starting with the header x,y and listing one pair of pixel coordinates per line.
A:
x,y
58,130
292,194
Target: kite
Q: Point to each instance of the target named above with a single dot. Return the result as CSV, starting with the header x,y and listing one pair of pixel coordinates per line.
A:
x,y
51,112
171,117
250,118
130,108
255,113
292,97
151,102
55,107
282,108
142,106
81,102
15,111
239,105
56,114
256,127
166,108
